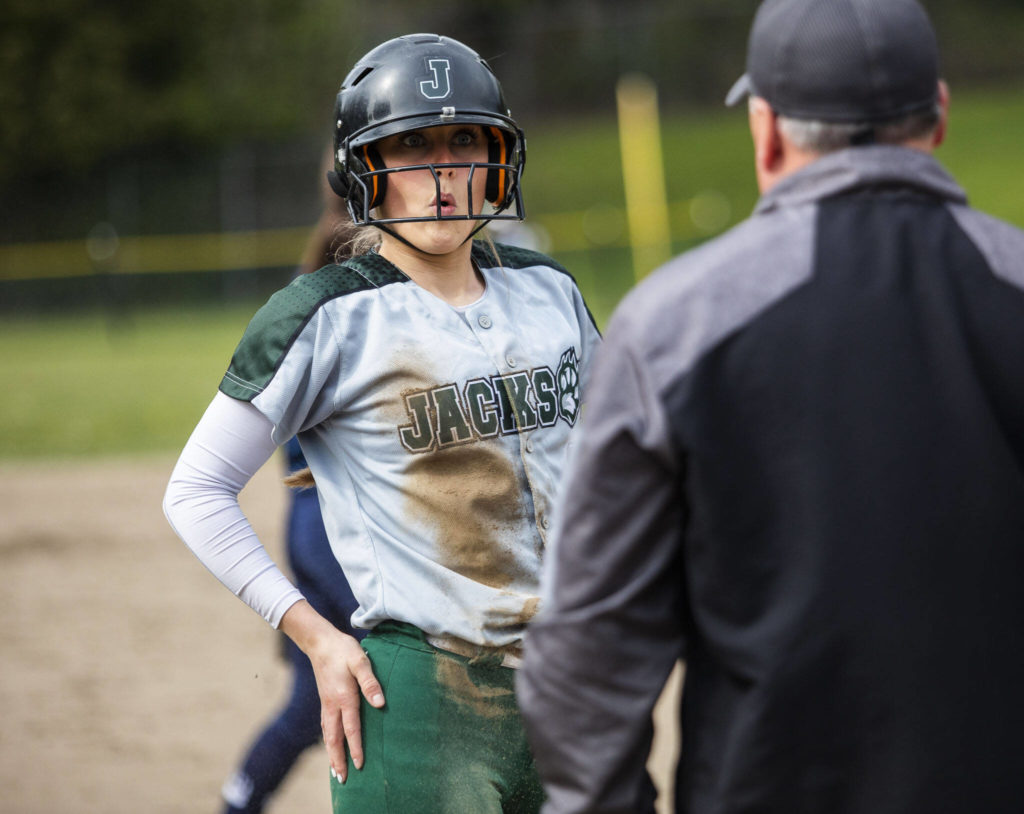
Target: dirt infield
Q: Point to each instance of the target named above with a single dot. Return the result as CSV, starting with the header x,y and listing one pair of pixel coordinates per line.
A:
x,y
131,679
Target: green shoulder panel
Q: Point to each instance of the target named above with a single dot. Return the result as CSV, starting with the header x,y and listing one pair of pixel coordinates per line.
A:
x,y
277,324
512,257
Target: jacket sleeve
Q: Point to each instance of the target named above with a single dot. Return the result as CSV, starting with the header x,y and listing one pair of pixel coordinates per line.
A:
x,y
609,633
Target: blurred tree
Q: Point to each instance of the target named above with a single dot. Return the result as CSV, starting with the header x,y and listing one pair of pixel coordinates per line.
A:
x,y
83,79
129,107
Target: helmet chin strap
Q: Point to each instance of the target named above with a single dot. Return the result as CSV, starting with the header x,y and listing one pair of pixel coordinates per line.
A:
x,y
434,171
411,245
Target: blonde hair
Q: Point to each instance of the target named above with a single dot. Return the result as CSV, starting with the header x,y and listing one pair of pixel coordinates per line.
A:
x,y
364,240
300,479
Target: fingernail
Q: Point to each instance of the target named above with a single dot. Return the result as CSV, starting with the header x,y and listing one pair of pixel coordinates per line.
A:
x,y
378,700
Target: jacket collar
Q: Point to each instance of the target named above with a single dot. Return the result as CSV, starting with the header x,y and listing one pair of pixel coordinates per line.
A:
x,y
855,167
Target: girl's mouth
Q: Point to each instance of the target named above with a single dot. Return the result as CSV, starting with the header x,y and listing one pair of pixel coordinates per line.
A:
x,y
445,204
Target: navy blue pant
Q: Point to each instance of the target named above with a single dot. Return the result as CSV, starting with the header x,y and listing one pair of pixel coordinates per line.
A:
x,y
272,755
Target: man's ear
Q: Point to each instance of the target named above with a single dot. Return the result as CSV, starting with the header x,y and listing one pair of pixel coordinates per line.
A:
x,y
769,150
939,135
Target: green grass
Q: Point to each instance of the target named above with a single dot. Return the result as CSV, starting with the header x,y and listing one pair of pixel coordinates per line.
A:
x,y
577,167
983,151
87,385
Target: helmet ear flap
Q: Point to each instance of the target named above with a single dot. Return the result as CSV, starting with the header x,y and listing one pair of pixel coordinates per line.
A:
x,y
498,151
338,183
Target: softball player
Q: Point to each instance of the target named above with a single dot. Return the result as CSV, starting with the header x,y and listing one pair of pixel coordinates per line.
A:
x,y
434,383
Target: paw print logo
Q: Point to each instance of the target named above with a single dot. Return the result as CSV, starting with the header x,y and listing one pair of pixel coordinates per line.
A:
x,y
569,386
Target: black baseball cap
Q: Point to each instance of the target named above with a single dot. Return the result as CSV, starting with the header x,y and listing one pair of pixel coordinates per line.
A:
x,y
841,60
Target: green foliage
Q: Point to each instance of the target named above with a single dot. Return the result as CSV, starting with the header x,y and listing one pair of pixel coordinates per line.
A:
x,y
81,82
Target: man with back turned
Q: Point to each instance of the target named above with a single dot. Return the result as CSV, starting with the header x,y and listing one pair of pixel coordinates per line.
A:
x,y
802,471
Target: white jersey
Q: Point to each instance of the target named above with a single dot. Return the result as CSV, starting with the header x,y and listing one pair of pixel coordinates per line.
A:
x,y
437,436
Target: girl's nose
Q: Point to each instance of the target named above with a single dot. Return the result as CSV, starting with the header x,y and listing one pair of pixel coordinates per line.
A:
x,y
443,155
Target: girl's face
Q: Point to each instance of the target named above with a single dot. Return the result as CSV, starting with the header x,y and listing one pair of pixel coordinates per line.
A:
x,y
414,194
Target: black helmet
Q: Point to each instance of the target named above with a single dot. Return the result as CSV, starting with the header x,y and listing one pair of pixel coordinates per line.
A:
x,y
413,82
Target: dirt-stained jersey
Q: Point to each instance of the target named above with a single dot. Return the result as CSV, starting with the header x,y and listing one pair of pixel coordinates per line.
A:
x,y
437,435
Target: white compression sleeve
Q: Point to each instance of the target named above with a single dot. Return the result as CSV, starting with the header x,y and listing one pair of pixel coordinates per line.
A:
x,y
229,444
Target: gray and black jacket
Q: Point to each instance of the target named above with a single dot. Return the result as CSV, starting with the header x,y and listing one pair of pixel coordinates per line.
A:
x,y
802,470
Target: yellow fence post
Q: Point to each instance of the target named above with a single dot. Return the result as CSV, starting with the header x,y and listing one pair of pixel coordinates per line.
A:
x,y
643,173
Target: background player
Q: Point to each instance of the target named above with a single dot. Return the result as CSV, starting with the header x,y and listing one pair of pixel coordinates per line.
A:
x,y
317,575
434,383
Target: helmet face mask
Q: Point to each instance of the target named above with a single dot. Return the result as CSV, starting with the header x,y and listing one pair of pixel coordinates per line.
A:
x,y
412,83
365,182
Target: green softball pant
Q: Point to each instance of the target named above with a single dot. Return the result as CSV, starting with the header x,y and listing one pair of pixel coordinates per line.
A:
x,y
449,739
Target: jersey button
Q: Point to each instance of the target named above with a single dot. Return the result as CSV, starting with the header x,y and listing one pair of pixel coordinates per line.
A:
x,y
510,361
545,522
484,321
529,445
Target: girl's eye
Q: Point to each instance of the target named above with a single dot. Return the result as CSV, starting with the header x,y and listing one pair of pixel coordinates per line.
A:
x,y
465,138
413,140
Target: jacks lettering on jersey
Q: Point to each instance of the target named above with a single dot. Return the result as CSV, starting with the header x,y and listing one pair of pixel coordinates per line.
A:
x,y
447,415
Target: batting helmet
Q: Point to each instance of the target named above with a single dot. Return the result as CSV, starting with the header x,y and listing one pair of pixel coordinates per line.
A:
x,y
413,82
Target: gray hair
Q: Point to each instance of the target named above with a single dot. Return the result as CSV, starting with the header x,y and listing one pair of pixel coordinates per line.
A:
x,y
826,137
